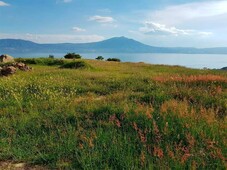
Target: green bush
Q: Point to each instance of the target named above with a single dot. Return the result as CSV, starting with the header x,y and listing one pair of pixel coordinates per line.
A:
x,y
114,59
41,61
72,56
76,65
51,56
26,60
6,64
100,58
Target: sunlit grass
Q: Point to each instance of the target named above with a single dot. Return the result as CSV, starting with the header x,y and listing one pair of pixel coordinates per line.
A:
x,y
115,116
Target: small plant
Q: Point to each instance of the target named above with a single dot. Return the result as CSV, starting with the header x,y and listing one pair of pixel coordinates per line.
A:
x,y
72,56
100,58
114,59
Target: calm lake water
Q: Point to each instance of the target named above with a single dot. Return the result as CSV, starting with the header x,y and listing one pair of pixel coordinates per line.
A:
x,y
188,60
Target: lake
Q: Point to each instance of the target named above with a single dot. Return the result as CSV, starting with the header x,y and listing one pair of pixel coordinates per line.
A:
x,y
199,61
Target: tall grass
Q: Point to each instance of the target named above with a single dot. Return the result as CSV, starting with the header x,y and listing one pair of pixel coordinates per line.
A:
x,y
116,116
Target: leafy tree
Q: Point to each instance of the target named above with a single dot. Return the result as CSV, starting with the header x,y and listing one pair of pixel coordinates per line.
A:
x,y
72,56
114,59
51,56
100,58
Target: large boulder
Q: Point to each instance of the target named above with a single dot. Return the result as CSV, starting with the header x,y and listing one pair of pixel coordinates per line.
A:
x,y
8,70
22,66
6,58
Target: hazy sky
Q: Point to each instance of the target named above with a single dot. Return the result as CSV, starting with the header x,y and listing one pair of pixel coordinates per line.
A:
x,y
194,23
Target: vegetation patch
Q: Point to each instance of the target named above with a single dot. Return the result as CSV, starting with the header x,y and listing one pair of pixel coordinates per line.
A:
x,y
72,56
41,61
192,78
76,65
99,58
114,59
116,116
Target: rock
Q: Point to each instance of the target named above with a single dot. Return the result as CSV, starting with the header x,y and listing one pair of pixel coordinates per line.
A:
x,y
6,58
8,70
11,68
21,66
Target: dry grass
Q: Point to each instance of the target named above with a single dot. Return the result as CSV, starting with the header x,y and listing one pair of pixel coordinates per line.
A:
x,y
191,78
115,116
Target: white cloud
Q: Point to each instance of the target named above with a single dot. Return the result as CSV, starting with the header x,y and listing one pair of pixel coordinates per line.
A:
x,y
101,19
78,29
3,3
52,38
182,13
161,29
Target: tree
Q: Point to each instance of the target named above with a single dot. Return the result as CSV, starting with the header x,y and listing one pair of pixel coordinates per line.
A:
x,y
114,59
72,56
99,58
51,56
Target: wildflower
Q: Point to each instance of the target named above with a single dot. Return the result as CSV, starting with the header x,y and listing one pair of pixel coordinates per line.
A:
x,y
148,114
90,143
112,118
135,126
81,146
142,136
142,158
156,131
118,123
158,152
191,140
170,153
185,157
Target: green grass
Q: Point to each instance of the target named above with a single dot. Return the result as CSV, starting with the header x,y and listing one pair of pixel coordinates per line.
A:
x,y
114,116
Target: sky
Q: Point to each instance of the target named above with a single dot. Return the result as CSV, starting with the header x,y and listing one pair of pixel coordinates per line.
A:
x,y
169,23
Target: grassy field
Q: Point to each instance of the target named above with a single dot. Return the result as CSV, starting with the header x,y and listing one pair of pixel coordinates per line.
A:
x,y
115,116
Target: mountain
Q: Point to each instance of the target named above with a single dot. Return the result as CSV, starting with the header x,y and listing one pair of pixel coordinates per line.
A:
x,y
113,45
11,45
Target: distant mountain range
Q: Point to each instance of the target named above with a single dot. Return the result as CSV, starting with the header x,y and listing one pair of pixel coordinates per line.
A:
x,y
113,45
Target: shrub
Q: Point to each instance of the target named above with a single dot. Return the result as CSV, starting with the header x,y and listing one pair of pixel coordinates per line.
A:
x,y
52,62
51,56
114,59
72,56
41,61
26,60
76,65
6,64
100,58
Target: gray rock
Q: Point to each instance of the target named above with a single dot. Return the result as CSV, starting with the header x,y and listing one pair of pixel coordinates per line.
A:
x,y
8,70
6,58
22,66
